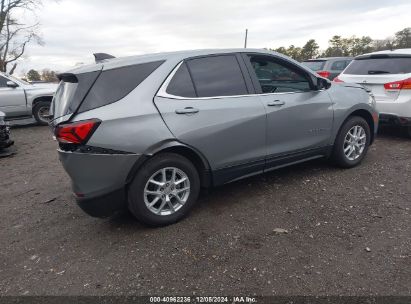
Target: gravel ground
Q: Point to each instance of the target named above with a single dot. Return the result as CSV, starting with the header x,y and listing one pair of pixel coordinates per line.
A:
x,y
310,229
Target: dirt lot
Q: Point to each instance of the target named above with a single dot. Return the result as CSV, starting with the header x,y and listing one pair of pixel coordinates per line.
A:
x,y
349,232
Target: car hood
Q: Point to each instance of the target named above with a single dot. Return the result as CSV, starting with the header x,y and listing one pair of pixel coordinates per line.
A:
x,y
46,88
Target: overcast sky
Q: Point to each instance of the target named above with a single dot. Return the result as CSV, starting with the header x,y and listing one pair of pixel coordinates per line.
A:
x,y
74,29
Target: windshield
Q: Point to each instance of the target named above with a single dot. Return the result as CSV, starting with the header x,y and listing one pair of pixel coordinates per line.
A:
x,y
314,65
374,66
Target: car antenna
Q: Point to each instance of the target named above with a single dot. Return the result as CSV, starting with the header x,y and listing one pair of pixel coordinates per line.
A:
x,y
99,57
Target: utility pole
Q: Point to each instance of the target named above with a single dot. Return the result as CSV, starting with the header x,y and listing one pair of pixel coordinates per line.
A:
x,y
245,40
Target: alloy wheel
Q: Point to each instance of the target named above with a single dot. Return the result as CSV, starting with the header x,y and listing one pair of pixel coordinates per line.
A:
x,y
355,142
166,191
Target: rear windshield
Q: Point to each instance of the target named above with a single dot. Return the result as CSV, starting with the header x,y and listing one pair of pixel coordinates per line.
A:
x,y
64,94
70,92
86,91
374,66
314,65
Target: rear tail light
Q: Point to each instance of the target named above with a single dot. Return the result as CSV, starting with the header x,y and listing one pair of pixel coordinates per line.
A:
x,y
324,74
76,132
399,85
336,79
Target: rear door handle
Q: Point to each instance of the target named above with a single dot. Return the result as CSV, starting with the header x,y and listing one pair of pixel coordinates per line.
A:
x,y
187,110
276,103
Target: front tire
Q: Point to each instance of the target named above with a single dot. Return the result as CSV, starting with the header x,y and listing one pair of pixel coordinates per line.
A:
x,y
352,142
164,190
41,111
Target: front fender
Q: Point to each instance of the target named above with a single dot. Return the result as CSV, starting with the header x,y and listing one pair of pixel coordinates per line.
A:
x,y
35,94
359,110
348,100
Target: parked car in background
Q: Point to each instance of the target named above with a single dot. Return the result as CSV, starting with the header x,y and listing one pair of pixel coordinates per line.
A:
x,y
328,67
5,140
20,99
387,74
147,132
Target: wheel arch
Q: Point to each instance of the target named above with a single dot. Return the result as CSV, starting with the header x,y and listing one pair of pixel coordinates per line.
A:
x,y
360,112
368,118
192,154
40,98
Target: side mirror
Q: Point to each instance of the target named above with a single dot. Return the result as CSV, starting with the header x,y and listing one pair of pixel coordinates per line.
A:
x,y
323,83
11,84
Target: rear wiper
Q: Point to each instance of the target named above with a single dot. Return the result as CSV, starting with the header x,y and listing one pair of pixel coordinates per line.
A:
x,y
377,72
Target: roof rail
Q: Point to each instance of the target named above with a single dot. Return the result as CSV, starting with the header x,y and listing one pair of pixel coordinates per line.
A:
x,y
99,57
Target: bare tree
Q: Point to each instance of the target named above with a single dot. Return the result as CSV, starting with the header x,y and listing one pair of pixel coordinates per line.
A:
x,y
49,75
15,36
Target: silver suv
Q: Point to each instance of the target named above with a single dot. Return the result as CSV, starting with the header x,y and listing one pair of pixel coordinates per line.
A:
x,y
20,99
147,132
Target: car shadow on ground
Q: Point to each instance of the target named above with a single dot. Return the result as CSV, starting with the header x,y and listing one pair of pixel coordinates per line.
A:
x,y
392,132
211,200
23,123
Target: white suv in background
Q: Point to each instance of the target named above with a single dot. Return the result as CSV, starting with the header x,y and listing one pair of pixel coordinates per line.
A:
x,y
387,74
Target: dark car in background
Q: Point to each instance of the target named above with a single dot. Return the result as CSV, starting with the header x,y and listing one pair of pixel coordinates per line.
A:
x,y
5,140
328,67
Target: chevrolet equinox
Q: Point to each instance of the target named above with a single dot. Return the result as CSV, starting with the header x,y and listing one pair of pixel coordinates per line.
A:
x,y
147,132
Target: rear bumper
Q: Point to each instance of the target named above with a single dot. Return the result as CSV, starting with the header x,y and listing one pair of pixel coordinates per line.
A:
x,y
400,107
104,205
391,119
98,180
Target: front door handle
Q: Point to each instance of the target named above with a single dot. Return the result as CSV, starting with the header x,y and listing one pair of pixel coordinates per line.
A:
x,y
276,103
187,110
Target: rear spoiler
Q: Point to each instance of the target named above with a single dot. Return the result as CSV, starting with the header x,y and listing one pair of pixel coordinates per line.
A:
x,y
67,77
99,57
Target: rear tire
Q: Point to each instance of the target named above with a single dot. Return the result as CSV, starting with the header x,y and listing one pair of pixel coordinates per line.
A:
x,y
408,130
352,142
39,110
156,198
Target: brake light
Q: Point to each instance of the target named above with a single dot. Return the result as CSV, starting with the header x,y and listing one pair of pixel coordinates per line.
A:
x,y
399,85
336,79
324,74
77,132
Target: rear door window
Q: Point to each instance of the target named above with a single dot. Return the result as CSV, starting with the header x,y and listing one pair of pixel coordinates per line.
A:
x,y
379,66
181,84
217,76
